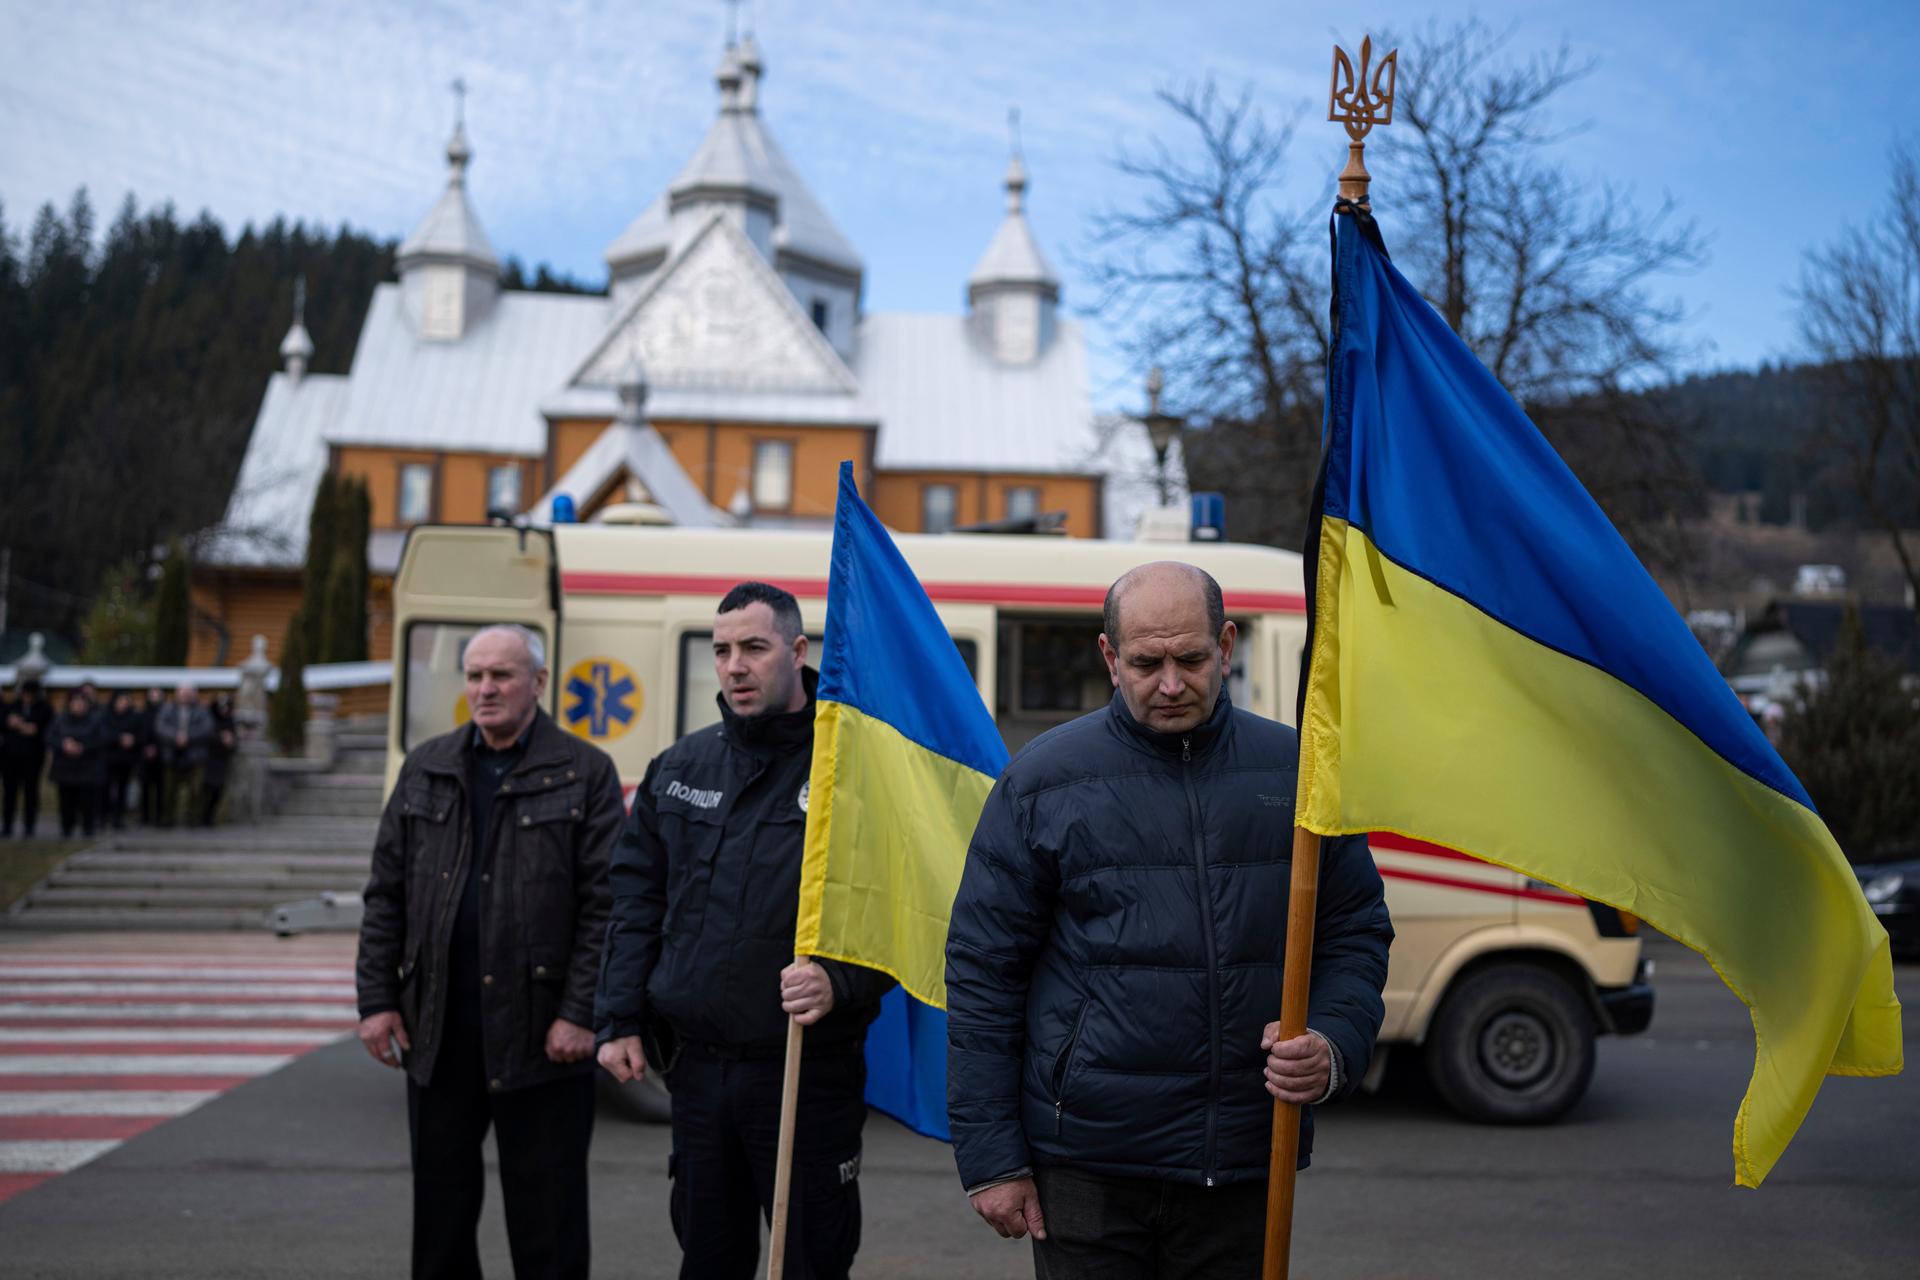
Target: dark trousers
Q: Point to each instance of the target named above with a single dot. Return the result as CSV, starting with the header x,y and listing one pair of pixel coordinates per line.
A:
x,y
210,793
153,782
176,794
1146,1229
726,1128
76,806
543,1132
20,783
114,807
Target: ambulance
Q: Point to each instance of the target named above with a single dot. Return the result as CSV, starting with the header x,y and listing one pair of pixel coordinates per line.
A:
x,y
1498,984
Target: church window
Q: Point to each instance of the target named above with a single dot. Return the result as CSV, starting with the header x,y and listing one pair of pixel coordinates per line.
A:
x,y
820,314
503,489
1023,502
415,501
772,475
936,508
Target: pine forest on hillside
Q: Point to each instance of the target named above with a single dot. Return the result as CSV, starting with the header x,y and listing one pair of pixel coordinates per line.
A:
x,y
132,364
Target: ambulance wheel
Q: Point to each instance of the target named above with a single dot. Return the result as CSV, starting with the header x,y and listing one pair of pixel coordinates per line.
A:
x,y
1512,1044
643,1102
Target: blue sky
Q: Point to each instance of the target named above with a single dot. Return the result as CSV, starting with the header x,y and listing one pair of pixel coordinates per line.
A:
x,y
1770,121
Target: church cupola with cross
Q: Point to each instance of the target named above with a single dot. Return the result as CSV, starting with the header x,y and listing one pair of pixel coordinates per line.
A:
x,y
1012,294
739,173
449,276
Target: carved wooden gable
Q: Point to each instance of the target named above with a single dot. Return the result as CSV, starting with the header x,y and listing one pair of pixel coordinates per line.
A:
x,y
718,318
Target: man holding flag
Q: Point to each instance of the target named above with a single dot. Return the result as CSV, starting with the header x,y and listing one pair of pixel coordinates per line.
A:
x,y
1114,962
697,978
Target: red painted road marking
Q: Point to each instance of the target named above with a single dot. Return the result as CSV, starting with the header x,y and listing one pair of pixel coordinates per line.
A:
x,y
72,1017
67,1128
12,1184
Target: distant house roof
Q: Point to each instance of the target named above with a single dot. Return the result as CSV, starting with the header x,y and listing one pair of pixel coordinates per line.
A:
x,y
1813,628
943,401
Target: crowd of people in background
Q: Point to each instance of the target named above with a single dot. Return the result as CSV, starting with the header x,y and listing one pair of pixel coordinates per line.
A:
x,y
98,752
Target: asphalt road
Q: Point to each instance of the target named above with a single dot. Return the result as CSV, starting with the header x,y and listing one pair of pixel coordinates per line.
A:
x,y
304,1173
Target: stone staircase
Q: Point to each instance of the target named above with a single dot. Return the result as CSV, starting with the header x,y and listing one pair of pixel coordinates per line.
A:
x,y
319,841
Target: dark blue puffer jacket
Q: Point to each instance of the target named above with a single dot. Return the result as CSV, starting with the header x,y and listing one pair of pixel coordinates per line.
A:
x,y
1116,951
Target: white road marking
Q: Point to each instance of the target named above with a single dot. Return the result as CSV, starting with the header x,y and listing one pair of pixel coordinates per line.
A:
x,y
137,1064
166,1035
103,1102
206,973
286,990
140,1011
50,1157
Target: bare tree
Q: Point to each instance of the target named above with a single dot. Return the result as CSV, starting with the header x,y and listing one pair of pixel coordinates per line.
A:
x,y
1547,276
1860,317
1215,281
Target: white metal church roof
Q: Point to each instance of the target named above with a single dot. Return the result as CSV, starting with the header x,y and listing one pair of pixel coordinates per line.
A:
x,y
943,401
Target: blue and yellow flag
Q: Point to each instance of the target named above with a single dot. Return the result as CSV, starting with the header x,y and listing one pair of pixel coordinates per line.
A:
x,y
904,753
1493,670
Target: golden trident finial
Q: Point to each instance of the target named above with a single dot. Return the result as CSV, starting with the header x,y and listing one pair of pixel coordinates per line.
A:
x,y
1360,102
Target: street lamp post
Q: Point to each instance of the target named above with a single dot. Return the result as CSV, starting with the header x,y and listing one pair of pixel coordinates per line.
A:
x,y
1161,429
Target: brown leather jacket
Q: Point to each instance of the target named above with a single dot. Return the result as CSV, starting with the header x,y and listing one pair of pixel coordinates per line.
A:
x,y
550,835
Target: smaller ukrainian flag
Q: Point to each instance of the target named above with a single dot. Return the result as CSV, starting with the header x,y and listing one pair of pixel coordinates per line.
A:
x,y
904,754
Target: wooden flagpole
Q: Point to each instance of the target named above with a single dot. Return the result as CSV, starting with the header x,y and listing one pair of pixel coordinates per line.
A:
x,y
1360,98
1285,1153
783,1153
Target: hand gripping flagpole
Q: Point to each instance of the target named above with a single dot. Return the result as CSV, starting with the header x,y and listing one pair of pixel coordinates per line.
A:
x,y
1358,100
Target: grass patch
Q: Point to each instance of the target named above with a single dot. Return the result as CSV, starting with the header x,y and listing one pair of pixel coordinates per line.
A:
x,y
24,864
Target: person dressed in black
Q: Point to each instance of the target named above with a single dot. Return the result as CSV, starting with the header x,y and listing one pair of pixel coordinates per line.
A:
x,y
698,978
479,947
126,732
23,754
153,770
79,738
220,747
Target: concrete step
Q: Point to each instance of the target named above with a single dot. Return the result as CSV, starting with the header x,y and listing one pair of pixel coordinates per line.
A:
x,y
180,863
372,783
372,761
354,741
169,896
317,834
293,884
322,804
150,919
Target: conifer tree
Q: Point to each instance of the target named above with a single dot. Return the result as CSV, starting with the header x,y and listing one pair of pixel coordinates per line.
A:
x,y
1854,742
119,627
171,610
339,643
287,709
322,522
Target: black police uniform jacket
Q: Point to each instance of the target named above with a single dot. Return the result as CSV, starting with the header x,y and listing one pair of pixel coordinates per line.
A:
x,y
1116,949
543,903
706,893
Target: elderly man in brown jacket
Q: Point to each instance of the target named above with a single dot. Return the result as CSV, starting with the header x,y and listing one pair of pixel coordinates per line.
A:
x,y
479,951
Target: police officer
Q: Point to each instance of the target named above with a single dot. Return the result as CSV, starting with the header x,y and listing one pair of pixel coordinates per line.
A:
x,y
478,955
698,978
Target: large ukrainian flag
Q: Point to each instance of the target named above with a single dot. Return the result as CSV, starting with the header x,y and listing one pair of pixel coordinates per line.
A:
x,y
904,753
1492,669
